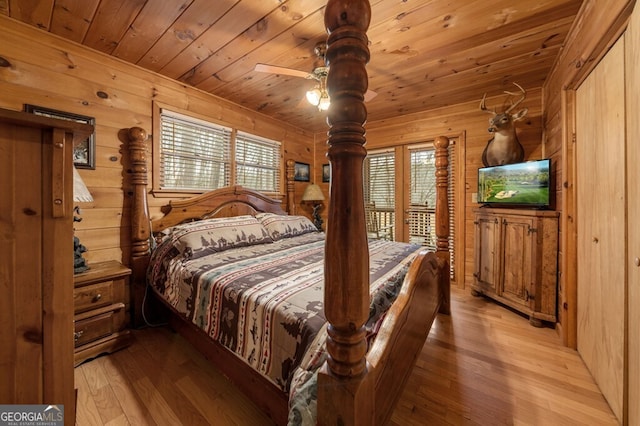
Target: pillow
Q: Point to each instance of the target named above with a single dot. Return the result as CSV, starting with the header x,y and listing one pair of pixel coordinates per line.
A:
x,y
282,226
197,239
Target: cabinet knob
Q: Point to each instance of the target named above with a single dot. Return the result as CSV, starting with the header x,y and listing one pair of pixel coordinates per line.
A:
x,y
636,261
595,240
97,297
77,335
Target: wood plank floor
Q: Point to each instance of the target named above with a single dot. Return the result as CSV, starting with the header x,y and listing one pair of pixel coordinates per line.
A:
x,y
483,365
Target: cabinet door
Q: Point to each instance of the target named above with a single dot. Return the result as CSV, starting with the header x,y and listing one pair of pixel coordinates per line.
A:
x,y
518,262
487,266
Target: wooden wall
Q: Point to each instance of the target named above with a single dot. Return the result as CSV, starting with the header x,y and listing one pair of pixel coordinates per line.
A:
x,y
470,124
47,71
596,28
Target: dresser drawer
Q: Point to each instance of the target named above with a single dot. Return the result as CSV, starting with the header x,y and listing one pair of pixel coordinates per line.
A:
x,y
105,322
93,296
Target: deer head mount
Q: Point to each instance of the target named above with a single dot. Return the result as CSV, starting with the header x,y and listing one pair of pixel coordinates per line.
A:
x,y
504,147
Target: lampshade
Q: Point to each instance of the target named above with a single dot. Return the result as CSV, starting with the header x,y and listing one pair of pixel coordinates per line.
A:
x,y
319,96
313,96
312,193
324,103
80,191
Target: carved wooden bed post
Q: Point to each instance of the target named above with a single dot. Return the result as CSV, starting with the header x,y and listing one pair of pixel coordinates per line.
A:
x,y
442,211
346,252
140,227
290,172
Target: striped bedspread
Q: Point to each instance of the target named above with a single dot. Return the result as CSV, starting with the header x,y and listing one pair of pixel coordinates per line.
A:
x,y
264,302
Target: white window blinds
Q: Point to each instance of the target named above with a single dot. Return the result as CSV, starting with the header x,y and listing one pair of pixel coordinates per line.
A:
x,y
194,154
257,163
423,198
380,170
423,177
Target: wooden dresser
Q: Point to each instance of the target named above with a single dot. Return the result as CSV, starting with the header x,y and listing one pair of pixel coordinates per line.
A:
x,y
99,302
516,260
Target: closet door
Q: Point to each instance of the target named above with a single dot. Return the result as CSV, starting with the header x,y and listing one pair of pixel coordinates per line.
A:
x,y
601,207
632,62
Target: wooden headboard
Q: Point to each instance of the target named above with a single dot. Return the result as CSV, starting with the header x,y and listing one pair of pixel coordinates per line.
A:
x,y
223,202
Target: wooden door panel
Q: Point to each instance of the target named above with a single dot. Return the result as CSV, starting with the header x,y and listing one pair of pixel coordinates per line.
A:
x,y
633,206
487,249
600,153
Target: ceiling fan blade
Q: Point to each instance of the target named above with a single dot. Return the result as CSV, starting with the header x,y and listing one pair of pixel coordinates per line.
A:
x,y
370,94
281,70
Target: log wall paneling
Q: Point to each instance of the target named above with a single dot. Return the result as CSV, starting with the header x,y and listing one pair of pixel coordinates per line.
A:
x,y
47,71
38,59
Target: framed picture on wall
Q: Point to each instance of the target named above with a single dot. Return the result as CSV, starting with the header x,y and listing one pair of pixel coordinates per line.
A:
x,y
326,172
84,153
301,172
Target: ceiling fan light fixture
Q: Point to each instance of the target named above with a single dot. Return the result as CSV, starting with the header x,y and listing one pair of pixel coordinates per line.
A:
x,y
324,103
318,96
314,96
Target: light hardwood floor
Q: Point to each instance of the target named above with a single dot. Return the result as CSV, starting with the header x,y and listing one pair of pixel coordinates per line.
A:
x,y
483,365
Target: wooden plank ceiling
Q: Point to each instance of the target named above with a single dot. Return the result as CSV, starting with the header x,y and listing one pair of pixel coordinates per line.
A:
x,y
425,54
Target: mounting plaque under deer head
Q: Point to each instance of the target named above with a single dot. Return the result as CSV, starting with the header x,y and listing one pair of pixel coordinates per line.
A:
x,y
504,147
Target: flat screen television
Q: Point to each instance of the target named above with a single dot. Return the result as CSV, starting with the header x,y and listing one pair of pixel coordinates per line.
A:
x,y
525,184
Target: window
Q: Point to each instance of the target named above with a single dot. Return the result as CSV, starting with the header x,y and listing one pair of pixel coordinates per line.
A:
x,y
400,186
423,176
196,155
380,191
379,170
257,163
423,197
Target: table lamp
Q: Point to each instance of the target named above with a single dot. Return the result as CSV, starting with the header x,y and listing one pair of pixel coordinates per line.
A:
x,y
80,194
313,194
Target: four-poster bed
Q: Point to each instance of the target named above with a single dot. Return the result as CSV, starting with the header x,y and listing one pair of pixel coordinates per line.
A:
x,y
360,381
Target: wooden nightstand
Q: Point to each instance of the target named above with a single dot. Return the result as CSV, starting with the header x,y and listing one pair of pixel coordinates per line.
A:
x,y
100,322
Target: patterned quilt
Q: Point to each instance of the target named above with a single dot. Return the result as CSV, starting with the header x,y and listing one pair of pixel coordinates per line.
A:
x,y
262,298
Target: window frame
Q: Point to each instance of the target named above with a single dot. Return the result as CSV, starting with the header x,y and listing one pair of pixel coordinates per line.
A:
x,y
258,140
456,190
159,192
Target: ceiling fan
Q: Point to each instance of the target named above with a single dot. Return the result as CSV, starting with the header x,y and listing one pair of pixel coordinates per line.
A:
x,y
318,96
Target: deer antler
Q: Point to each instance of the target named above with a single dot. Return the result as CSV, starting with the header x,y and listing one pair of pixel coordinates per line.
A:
x,y
516,103
483,107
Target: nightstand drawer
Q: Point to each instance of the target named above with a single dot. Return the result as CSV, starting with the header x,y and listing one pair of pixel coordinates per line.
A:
x,y
102,322
93,296
100,318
